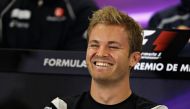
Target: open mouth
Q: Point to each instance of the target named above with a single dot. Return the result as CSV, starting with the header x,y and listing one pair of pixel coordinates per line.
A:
x,y
102,64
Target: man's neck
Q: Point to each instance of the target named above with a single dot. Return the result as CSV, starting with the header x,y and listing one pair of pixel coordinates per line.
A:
x,y
112,94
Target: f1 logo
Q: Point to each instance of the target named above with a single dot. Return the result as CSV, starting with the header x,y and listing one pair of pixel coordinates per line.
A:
x,y
146,34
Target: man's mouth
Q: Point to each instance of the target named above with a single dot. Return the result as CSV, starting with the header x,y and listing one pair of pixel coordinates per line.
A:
x,y
102,64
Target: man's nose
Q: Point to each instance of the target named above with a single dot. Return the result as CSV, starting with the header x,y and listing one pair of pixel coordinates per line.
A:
x,y
103,51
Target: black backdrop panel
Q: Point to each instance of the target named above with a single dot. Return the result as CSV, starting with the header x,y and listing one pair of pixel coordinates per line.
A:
x,y
33,91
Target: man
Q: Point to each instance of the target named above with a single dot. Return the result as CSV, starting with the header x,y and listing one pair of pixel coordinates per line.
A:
x,y
45,24
114,47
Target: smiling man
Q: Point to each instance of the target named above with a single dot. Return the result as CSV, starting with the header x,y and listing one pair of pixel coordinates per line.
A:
x,y
114,47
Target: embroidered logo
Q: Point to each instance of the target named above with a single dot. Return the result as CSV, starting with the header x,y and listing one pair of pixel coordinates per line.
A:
x,y
21,14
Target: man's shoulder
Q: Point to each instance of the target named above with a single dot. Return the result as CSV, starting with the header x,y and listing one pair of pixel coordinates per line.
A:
x,y
169,11
143,103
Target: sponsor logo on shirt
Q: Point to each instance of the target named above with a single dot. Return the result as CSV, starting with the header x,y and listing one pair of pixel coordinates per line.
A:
x,y
18,24
21,14
59,12
58,15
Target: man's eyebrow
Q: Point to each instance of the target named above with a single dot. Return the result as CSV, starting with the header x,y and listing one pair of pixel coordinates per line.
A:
x,y
114,42
93,41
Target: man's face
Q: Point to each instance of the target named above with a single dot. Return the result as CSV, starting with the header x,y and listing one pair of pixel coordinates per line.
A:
x,y
108,53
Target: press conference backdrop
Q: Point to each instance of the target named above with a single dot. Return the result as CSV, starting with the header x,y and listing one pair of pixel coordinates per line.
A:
x,y
30,79
140,10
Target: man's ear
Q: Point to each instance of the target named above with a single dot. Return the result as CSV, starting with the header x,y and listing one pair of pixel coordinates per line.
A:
x,y
134,58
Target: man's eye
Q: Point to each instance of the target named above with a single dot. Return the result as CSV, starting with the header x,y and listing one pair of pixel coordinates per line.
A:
x,y
93,45
113,47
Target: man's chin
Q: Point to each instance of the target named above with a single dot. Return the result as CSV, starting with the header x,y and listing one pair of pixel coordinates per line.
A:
x,y
103,81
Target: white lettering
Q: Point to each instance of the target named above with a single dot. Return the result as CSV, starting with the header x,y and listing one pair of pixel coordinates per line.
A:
x,y
185,68
45,61
149,66
21,14
52,62
64,63
171,67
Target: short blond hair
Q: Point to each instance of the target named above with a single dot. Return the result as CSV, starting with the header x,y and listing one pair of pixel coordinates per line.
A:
x,y
111,16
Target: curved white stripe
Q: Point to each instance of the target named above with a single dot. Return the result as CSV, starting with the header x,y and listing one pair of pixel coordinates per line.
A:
x,y
160,107
59,103
173,19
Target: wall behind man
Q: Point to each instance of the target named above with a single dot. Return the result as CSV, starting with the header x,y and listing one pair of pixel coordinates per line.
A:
x,y
140,10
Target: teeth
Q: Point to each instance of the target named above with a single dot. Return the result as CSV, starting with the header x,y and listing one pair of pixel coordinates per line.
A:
x,y
102,64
